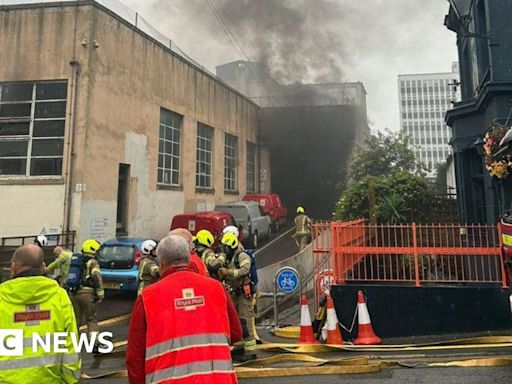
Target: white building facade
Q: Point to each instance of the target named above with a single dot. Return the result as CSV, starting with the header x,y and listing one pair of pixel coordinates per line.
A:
x,y
423,101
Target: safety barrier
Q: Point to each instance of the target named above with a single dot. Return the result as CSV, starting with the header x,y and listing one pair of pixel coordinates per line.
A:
x,y
412,253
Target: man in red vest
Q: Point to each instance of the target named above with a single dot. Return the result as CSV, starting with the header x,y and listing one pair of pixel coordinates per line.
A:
x,y
181,326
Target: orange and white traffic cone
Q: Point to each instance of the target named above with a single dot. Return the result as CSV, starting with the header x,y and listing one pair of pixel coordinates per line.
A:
x,y
365,334
333,328
306,327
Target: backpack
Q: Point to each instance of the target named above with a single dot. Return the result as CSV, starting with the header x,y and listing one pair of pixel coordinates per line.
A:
x,y
253,273
76,273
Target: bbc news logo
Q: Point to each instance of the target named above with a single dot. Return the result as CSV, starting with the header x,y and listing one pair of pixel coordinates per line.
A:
x,y
13,343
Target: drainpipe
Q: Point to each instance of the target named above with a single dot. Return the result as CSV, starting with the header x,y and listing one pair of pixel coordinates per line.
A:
x,y
70,147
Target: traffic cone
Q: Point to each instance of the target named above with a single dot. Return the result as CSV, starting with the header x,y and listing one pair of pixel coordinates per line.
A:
x,y
306,328
365,334
333,328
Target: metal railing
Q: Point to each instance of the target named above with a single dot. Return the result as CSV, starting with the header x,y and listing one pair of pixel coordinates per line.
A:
x,y
416,254
9,244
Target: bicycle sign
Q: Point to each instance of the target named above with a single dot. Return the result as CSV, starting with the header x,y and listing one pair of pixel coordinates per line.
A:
x,y
287,279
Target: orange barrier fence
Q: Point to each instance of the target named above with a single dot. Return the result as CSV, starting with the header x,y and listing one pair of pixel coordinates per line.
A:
x,y
420,254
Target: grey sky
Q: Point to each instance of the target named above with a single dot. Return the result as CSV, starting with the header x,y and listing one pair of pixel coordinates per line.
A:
x,y
375,39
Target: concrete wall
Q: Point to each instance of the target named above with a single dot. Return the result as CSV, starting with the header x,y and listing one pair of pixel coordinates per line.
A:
x,y
125,78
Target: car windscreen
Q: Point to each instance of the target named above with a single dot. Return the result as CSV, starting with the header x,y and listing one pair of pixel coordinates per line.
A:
x,y
256,211
115,253
239,213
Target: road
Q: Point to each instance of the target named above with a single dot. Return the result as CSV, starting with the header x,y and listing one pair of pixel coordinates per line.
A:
x,y
280,247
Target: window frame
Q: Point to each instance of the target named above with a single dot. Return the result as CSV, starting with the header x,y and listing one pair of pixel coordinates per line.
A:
x,y
202,153
230,163
250,182
36,101
162,169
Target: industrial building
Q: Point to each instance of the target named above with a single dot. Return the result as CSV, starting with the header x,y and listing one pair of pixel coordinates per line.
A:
x,y
311,131
106,130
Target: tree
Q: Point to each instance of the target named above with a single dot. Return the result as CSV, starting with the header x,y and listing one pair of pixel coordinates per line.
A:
x,y
401,197
382,155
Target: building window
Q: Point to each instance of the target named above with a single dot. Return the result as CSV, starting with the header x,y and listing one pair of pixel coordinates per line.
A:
x,y
230,160
204,156
32,125
169,148
251,167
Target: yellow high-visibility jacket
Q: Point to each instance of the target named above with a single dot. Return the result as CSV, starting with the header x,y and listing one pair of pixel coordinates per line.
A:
x,y
36,304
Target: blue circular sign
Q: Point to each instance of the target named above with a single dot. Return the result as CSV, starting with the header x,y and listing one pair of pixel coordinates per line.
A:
x,y
287,279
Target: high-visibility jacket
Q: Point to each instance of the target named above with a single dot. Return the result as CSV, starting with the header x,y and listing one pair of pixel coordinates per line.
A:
x,y
148,272
92,278
239,268
302,225
187,334
60,266
36,304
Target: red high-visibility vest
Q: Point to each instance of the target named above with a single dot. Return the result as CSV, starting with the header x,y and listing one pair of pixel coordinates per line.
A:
x,y
187,334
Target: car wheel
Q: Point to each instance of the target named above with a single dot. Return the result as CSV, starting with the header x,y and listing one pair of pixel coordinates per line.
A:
x,y
255,240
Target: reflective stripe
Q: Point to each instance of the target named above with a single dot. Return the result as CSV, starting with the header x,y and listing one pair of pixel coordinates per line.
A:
x,y
246,261
203,340
31,362
71,358
197,368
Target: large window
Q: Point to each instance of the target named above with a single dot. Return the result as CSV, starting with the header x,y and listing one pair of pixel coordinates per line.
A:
x,y
251,167
230,160
204,156
169,148
32,125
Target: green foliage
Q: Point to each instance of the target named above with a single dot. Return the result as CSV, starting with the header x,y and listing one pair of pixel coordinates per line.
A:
x,y
392,208
383,155
401,197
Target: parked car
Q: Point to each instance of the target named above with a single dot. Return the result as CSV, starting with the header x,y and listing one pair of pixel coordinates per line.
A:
x,y
272,206
255,224
213,221
119,260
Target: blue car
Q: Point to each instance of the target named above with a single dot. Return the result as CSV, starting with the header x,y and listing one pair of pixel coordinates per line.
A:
x,y
119,260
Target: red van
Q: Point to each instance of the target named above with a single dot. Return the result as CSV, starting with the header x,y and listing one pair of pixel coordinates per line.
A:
x,y
213,221
272,206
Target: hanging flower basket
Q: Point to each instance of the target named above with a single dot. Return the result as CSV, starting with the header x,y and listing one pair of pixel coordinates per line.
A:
x,y
496,167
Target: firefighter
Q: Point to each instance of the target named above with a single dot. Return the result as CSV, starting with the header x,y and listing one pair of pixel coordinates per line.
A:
x,y
236,274
302,229
90,294
60,266
149,272
37,305
203,242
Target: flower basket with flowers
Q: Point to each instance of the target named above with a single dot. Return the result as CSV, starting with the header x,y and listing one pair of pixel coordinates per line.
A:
x,y
498,167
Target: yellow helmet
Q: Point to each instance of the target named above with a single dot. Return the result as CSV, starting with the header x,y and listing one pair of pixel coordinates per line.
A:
x,y
90,246
300,210
230,240
204,237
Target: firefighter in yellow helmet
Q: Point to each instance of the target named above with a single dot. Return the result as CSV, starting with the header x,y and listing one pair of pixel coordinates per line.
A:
x,y
33,304
236,274
302,229
90,294
203,243
149,272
